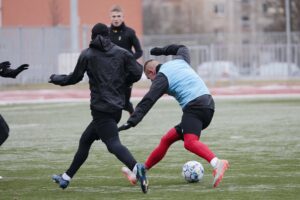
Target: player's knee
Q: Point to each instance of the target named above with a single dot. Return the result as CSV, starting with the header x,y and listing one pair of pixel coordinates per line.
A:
x,y
110,149
188,144
113,146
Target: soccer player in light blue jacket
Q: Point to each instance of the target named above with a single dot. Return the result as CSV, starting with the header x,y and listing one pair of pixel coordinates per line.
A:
x,y
178,79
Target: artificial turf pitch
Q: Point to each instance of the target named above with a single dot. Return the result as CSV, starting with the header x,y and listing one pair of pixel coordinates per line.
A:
x,y
260,138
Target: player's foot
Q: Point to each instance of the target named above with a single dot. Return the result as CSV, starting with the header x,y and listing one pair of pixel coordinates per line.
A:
x,y
141,176
129,175
218,173
60,181
1,177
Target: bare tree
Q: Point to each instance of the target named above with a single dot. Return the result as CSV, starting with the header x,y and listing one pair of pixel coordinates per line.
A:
x,y
151,18
279,20
295,15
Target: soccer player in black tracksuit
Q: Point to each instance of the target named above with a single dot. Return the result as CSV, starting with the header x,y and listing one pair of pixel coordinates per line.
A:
x,y
178,79
124,37
6,71
110,69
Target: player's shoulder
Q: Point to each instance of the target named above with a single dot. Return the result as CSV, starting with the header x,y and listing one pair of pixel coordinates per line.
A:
x,y
84,52
130,30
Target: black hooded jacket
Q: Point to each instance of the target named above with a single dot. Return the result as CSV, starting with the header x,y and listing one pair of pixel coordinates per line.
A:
x,y
110,69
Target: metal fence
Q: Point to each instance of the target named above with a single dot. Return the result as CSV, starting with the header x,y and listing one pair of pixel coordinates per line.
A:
x,y
39,47
48,51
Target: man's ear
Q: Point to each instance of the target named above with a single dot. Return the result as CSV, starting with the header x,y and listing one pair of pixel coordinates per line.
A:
x,y
152,71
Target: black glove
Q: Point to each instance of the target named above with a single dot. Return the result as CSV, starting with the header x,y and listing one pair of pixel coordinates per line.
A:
x,y
167,50
12,73
58,79
22,67
125,127
4,65
51,78
157,51
15,72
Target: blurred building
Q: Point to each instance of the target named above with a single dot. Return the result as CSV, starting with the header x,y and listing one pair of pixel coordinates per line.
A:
x,y
47,13
241,18
39,32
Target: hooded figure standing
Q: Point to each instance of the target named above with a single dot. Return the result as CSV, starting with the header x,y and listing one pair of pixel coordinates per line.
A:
x,y
110,70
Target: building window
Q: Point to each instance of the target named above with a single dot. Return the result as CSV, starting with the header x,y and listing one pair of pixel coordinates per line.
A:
x,y
245,18
219,9
265,8
245,1
245,41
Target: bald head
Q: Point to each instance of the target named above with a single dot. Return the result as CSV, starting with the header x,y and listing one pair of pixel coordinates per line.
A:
x,y
150,69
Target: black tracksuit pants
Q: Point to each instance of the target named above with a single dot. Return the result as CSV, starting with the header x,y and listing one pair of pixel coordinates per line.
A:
x,y
103,127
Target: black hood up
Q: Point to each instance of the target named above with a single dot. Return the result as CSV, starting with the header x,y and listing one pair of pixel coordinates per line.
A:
x,y
101,43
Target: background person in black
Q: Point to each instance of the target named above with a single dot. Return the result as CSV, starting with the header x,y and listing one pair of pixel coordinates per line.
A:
x,y
124,37
109,68
6,71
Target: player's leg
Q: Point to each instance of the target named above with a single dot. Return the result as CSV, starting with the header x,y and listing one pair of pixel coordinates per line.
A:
x,y
115,147
160,151
108,132
192,125
4,130
85,142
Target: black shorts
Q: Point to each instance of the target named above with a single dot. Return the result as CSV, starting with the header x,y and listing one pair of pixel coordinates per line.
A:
x,y
194,121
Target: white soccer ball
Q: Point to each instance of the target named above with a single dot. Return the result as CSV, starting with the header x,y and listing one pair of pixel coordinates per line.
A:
x,y
192,171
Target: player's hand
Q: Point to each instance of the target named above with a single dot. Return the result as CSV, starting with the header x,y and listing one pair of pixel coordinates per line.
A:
x,y
20,69
12,73
23,67
156,51
125,127
54,78
17,71
4,65
51,78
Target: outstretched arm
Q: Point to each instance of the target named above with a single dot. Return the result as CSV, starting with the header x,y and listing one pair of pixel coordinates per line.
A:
x,y
158,88
179,51
72,78
6,71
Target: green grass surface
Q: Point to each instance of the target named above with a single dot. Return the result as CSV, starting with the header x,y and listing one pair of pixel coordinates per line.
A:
x,y
146,84
260,138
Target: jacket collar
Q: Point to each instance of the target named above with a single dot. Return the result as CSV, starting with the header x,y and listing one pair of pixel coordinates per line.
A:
x,y
118,28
